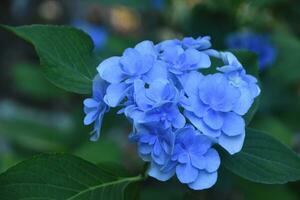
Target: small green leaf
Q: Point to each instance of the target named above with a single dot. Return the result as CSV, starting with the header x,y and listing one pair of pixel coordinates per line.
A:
x,y
65,177
263,159
65,54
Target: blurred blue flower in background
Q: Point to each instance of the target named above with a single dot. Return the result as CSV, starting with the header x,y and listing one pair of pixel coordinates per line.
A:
x,y
158,4
258,43
98,33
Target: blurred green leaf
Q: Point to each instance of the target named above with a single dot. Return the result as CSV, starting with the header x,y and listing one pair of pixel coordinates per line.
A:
x,y
257,191
172,190
65,55
275,127
288,59
263,159
29,80
136,4
35,129
203,20
100,151
66,177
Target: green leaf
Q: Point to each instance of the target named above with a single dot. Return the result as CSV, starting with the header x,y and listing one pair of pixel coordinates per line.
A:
x,y
250,62
65,54
287,62
65,177
263,159
36,129
28,79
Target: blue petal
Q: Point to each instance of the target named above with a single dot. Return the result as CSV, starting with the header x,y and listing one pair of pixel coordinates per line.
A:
x,y
110,70
115,93
91,117
198,161
183,158
156,171
204,180
201,126
160,90
133,63
186,173
142,101
232,144
90,103
199,43
145,149
99,88
213,119
190,82
244,102
158,71
233,124
212,159
97,128
157,148
172,54
178,120
146,48
197,59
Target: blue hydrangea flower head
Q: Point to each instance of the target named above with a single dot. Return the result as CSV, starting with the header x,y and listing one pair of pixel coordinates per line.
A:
x,y
95,107
258,43
178,109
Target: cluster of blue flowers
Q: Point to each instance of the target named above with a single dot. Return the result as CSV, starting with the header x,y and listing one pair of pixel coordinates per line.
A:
x,y
178,112
258,43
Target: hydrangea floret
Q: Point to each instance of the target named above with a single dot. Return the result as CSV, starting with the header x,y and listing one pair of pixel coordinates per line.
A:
x,y
179,111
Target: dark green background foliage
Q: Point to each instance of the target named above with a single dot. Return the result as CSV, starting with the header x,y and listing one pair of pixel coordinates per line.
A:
x,y
44,80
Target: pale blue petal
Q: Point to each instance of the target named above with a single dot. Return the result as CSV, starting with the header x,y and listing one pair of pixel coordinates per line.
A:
x,y
213,119
190,82
183,158
201,126
145,149
186,173
204,180
110,70
178,120
244,102
97,128
115,93
232,144
155,171
198,161
212,160
233,124
146,48
196,59
158,71
90,103
90,117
